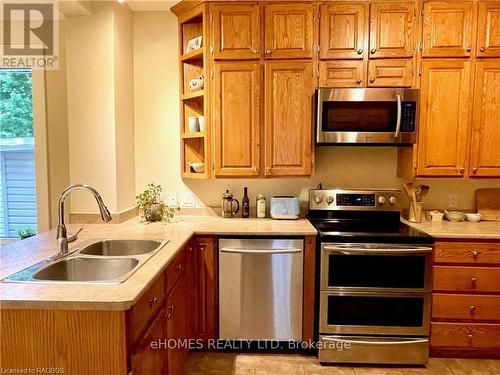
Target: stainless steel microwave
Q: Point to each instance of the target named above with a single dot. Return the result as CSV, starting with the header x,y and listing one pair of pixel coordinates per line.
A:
x,y
367,116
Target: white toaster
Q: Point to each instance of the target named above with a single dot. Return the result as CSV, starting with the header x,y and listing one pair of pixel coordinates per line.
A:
x,y
285,207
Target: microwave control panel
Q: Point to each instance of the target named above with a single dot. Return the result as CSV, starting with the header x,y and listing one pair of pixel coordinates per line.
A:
x,y
408,116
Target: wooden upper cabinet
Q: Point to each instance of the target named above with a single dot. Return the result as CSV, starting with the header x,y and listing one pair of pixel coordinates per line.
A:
x,y
237,118
444,118
485,151
488,29
447,29
288,118
392,29
390,73
289,30
342,73
342,31
236,31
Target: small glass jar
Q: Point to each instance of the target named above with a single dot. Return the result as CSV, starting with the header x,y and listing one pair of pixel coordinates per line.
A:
x,y
261,206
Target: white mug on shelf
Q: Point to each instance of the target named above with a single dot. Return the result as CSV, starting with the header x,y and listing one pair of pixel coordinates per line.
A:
x,y
201,123
196,84
193,124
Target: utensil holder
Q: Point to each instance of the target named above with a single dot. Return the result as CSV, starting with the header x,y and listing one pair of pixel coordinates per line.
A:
x,y
415,212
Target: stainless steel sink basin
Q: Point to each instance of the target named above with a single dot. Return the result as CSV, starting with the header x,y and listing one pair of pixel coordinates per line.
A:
x,y
106,261
86,269
120,247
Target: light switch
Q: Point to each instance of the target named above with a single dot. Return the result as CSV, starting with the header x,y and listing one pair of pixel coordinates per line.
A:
x,y
172,199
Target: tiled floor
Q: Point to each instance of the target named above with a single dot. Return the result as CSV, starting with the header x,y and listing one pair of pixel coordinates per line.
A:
x,y
293,364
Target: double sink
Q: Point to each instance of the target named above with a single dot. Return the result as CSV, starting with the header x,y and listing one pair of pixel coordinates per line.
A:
x,y
108,261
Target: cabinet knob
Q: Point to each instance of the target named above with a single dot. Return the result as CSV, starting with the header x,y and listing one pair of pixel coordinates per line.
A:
x,y
268,170
178,267
190,248
482,49
474,282
169,316
468,49
373,50
359,81
475,254
472,309
171,307
153,301
360,51
474,170
470,336
372,80
462,170
268,52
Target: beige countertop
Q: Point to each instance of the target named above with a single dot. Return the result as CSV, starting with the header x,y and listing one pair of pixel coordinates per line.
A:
x,y
21,254
483,230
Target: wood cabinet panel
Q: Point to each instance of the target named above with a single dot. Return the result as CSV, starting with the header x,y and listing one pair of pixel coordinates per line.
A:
x,y
146,307
289,30
390,73
175,269
175,316
485,147
488,29
288,118
464,306
466,279
467,252
342,73
236,31
342,31
465,335
444,118
202,297
237,118
392,29
146,360
448,28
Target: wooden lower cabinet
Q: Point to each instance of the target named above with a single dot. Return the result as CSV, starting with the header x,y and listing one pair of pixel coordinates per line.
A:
x,y
465,318
175,325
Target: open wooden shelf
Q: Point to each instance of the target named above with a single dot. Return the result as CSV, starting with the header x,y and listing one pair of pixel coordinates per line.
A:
x,y
193,135
202,176
193,95
195,57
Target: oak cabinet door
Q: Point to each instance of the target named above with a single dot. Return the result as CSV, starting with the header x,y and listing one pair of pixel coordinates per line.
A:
x,y
289,30
488,29
288,118
444,117
175,323
485,150
144,360
236,118
342,31
342,73
392,29
390,73
447,29
236,31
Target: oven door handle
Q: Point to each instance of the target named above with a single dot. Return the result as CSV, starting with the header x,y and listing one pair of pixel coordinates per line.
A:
x,y
398,119
376,342
359,250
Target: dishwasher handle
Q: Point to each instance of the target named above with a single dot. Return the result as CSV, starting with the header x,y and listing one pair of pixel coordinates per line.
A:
x,y
259,251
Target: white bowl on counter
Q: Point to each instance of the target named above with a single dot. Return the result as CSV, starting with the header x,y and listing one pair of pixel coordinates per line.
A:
x,y
473,217
454,215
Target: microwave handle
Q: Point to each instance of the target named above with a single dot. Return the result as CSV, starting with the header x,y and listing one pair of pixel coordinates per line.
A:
x,y
398,121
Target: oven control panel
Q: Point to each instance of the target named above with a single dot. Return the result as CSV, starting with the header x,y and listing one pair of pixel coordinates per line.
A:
x,y
341,199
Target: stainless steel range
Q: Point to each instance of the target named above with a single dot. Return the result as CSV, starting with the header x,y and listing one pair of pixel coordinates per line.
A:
x,y
375,279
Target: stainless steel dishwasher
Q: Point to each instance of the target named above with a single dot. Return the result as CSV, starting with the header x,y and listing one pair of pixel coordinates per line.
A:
x,y
260,289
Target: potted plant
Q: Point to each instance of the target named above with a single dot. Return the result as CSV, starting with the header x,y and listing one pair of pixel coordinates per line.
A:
x,y
152,206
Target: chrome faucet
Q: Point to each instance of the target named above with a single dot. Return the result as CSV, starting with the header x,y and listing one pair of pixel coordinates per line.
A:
x,y
62,235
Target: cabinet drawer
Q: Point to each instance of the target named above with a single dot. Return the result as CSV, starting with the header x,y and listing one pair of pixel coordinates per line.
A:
x,y
175,269
467,252
342,73
390,73
466,279
465,335
146,307
464,306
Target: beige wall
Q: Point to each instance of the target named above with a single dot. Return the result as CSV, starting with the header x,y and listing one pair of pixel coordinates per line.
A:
x,y
157,137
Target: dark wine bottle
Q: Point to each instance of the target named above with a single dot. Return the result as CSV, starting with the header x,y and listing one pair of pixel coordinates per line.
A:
x,y
245,204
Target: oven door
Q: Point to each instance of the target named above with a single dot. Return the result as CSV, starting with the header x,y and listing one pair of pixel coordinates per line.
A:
x,y
376,267
374,313
373,115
